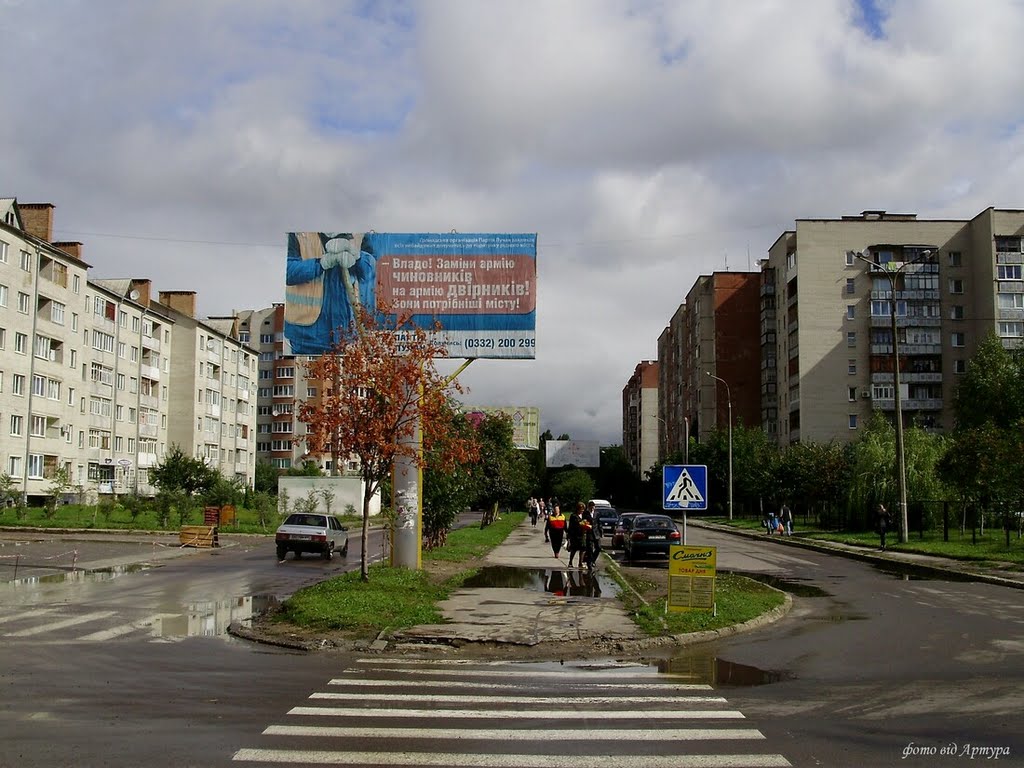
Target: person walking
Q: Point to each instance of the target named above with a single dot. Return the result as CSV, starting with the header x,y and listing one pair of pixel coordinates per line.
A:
x,y
543,511
883,519
592,542
555,529
773,523
786,516
574,533
534,511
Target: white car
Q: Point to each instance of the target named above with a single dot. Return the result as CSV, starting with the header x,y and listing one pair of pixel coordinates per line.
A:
x,y
600,503
303,532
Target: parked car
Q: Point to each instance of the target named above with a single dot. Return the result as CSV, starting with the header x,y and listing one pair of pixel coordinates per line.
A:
x,y
301,532
600,502
622,527
650,535
606,518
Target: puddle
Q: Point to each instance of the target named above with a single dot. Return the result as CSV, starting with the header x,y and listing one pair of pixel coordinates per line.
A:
x,y
702,668
568,582
798,588
915,573
82,576
211,618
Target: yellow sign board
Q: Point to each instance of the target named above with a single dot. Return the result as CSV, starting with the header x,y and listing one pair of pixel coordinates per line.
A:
x,y
691,578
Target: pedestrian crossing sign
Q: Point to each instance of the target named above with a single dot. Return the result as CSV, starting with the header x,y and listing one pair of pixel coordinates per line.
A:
x,y
684,486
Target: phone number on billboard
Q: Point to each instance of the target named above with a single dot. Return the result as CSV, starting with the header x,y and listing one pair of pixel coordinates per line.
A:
x,y
491,343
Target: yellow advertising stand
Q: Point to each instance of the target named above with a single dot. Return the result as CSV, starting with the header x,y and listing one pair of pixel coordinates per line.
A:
x,y
691,578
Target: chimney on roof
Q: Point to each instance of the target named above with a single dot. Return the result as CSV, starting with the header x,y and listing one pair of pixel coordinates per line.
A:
x,y
144,287
180,301
37,219
71,248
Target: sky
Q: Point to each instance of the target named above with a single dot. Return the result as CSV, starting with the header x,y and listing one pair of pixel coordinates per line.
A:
x,y
646,143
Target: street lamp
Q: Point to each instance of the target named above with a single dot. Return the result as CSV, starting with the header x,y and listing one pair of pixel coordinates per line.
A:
x,y
901,468
728,395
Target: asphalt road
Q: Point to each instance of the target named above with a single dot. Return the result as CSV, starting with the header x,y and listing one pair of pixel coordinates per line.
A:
x,y
868,666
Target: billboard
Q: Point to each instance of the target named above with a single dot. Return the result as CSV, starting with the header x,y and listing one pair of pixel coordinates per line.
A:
x,y
525,422
579,453
481,288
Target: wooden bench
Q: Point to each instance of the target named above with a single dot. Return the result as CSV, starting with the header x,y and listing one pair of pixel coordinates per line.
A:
x,y
198,536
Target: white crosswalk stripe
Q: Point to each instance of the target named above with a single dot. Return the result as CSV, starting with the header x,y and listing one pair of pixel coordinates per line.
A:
x,y
62,624
418,712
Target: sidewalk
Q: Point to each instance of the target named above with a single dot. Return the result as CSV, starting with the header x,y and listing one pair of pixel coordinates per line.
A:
x,y
528,616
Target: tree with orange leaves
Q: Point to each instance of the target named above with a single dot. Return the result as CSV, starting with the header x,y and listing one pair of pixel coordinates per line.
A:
x,y
376,385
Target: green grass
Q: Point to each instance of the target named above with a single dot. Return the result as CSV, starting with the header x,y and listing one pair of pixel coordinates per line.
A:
x,y
393,598
115,517
738,599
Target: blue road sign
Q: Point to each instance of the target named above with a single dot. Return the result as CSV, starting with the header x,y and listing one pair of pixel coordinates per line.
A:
x,y
684,486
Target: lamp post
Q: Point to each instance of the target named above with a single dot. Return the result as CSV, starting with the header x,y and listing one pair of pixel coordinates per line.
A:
x,y
901,468
728,395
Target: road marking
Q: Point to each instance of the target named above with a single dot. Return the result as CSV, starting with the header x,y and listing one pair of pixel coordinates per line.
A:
x,y
541,714
27,615
62,624
525,734
513,686
323,757
629,674
564,701
124,629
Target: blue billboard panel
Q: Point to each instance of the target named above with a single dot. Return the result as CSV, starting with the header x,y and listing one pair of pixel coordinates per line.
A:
x,y
480,288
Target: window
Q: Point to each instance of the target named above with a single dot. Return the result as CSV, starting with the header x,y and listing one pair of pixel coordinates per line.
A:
x,y
20,343
26,261
14,466
135,324
102,341
39,386
17,423
266,338
122,349
282,426
57,312
43,349
131,445
956,312
311,391
119,412
23,302
118,444
853,421
851,258
101,374
37,426
3,252
74,321
956,339
1008,271
76,283
851,312
851,367
284,390
122,318
99,438
851,394
286,373
3,295
956,286
120,381
53,389
3,338
103,308
851,285
1011,330
851,339
955,259
18,384
35,465
959,366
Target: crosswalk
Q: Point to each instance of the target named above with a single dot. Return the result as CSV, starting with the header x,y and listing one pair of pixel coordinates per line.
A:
x,y
476,714
61,624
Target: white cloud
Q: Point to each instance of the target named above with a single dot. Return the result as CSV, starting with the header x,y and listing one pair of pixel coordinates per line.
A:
x,y
646,142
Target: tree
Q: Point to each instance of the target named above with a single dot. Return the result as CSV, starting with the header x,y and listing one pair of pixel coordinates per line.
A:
x,y
181,472
447,488
60,482
377,384
9,492
502,472
991,391
572,485
266,475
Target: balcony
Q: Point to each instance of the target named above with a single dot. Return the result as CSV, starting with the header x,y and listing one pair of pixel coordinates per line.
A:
x,y
151,342
150,372
146,460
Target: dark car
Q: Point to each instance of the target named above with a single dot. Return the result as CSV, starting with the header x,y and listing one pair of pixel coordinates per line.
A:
x,y
650,535
606,518
322,534
622,527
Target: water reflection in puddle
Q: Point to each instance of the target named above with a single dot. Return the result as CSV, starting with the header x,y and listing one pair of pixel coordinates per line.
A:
x,y
704,668
569,582
798,588
81,576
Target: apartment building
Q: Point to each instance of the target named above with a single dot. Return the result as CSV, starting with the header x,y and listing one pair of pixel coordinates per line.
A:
x,y
714,331
212,388
827,308
640,417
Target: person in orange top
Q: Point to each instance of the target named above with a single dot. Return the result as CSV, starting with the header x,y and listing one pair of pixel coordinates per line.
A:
x,y
555,529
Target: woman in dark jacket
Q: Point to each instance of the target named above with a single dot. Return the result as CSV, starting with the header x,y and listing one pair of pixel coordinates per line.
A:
x,y
592,535
575,534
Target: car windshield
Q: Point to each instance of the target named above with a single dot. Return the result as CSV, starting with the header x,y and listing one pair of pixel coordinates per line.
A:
x,y
315,521
607,513
655,522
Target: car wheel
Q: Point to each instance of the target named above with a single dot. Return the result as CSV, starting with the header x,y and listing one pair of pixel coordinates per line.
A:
x,y
344,550
282,552
328,553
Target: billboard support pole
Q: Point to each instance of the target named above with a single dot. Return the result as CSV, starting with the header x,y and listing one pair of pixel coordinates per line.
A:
x,y
407,480
460,369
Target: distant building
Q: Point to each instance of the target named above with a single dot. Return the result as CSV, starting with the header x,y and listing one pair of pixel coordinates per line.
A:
x,y
640,417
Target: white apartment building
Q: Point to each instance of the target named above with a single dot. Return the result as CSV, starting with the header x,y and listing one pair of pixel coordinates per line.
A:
x,y
212,389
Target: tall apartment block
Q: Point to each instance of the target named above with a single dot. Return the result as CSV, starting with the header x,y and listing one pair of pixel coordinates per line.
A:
x,y
714,331
91,371
826,317
639,417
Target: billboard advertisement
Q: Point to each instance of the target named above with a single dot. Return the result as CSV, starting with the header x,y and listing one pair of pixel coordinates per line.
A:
x,y
525,422
579,453
481,288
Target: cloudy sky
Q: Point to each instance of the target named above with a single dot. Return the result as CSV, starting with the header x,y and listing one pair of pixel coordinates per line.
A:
x,y
645,142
